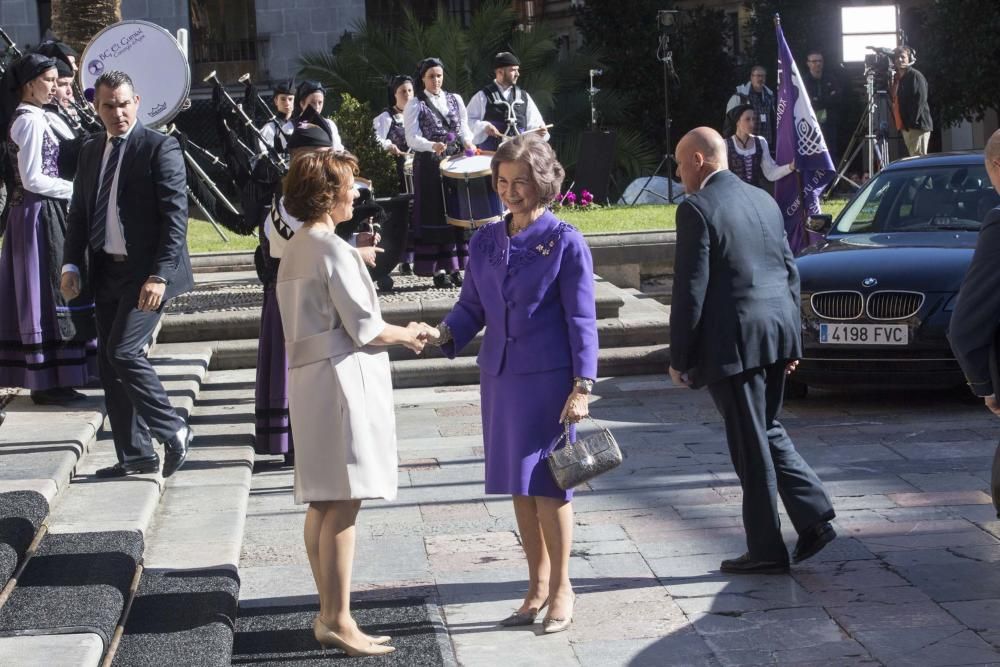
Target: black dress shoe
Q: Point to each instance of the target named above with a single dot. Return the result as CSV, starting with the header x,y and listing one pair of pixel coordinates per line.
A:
x,y
405,270
813,540
456,279
56,396
746,565
176,451
134,467
440,280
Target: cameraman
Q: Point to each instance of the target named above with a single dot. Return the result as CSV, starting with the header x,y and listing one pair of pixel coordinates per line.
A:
x,y
909,102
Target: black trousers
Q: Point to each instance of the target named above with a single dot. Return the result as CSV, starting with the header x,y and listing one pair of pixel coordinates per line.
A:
x,y
766,461
137,403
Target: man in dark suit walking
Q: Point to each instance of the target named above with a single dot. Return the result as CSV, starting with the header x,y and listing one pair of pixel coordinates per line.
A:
x,y
734,327
975,322
128,225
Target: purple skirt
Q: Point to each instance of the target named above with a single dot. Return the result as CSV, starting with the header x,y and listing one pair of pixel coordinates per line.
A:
x,y
273,428
437,245
44,342
520,427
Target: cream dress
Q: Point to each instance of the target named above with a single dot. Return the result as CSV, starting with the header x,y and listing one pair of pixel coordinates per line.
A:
x,y
339,387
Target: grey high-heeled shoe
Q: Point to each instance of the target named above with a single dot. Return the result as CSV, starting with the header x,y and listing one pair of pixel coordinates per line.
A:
x,y
519,618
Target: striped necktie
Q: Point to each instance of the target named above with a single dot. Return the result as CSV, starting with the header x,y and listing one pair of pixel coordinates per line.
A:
x,y
99,223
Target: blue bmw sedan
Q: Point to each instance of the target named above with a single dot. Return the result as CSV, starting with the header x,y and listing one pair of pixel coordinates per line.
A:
x,y
878,292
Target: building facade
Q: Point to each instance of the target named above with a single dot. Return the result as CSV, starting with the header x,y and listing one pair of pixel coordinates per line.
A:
x,y
262,37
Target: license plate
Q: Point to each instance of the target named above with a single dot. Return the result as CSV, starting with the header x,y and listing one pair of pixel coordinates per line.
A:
x,y
864,334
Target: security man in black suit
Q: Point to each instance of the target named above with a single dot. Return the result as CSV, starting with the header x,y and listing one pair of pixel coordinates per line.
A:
x,y
976,320
735,328
128,224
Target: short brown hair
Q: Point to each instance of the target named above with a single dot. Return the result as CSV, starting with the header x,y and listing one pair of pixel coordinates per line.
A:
x,y
316,181
546,172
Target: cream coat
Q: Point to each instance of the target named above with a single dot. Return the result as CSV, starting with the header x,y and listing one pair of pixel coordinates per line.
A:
x,y
339,387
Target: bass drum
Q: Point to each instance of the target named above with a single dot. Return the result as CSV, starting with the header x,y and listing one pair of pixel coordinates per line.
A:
x,y
153,60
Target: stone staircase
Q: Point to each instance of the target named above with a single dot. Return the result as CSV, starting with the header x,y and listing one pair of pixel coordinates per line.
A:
x,y
92,568
633,329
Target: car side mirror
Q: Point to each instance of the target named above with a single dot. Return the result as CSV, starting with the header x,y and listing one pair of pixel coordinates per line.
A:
x,y
821,223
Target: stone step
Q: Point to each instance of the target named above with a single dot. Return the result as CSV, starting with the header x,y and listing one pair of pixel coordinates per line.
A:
x,y
80,579
216,262
625,257
187,598
640,360
245,323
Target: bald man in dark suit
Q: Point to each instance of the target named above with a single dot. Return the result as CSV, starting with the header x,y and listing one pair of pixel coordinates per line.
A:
x,y
735,328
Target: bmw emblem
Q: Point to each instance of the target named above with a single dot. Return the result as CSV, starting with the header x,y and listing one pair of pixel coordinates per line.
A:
x,y
869,282
95,67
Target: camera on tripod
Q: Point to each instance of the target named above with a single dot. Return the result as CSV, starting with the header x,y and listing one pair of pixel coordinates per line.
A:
x,y
880,61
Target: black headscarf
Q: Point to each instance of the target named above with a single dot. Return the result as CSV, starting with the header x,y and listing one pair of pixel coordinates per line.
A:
x,y
394,85
422,68
311,131
58,50
27,67
733,117
307,88
63,68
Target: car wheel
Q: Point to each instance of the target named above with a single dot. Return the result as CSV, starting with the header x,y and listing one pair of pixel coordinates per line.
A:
x,y
795,389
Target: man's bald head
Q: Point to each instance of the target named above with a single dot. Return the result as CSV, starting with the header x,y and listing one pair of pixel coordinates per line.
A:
x,y
991,156
700,152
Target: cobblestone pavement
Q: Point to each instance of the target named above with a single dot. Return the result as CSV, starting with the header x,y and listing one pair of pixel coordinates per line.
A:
x,y
248,294
913,579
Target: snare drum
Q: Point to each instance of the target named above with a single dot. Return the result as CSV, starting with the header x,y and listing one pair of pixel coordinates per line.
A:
x,y
408,173
469,198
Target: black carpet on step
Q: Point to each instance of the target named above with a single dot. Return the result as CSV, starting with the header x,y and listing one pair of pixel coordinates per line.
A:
x,y
21,513
181,618
284,636
76,582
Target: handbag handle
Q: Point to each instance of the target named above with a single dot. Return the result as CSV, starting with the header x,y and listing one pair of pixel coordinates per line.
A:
x,y
565,433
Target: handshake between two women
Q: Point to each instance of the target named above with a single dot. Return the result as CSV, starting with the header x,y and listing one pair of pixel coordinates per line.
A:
x,y
419,334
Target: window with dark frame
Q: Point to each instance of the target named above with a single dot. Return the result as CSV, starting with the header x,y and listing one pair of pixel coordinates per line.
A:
x,y
223,31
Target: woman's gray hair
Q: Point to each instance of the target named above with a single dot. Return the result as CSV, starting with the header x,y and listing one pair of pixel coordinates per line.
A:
x,y
546,172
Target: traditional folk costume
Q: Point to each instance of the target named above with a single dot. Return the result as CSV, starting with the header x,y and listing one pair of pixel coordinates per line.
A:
x,y
273,427
46,344
751,162
439,248
278,131
509,109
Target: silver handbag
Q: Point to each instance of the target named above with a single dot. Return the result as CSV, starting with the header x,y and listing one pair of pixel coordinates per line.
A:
x,y
584,459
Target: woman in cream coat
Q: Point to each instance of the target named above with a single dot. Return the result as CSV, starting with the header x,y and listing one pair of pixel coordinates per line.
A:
x,y
340,390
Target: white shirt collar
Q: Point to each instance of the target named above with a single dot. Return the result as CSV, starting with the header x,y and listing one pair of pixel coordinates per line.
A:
x,y
125,136
709,177
503,88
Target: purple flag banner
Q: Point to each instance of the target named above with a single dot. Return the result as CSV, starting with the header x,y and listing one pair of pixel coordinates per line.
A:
x,y
799,139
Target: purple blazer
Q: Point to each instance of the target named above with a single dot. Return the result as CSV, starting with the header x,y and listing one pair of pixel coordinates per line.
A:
x,y
534,293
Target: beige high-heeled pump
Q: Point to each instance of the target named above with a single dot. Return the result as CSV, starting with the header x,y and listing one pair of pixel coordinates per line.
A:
x,y
551,625
374,639
328,638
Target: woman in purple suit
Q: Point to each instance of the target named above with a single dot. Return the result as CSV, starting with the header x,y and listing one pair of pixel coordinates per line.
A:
x,y
530,282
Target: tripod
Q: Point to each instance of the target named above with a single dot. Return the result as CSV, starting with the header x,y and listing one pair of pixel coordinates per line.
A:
x,y
665,56
869,134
